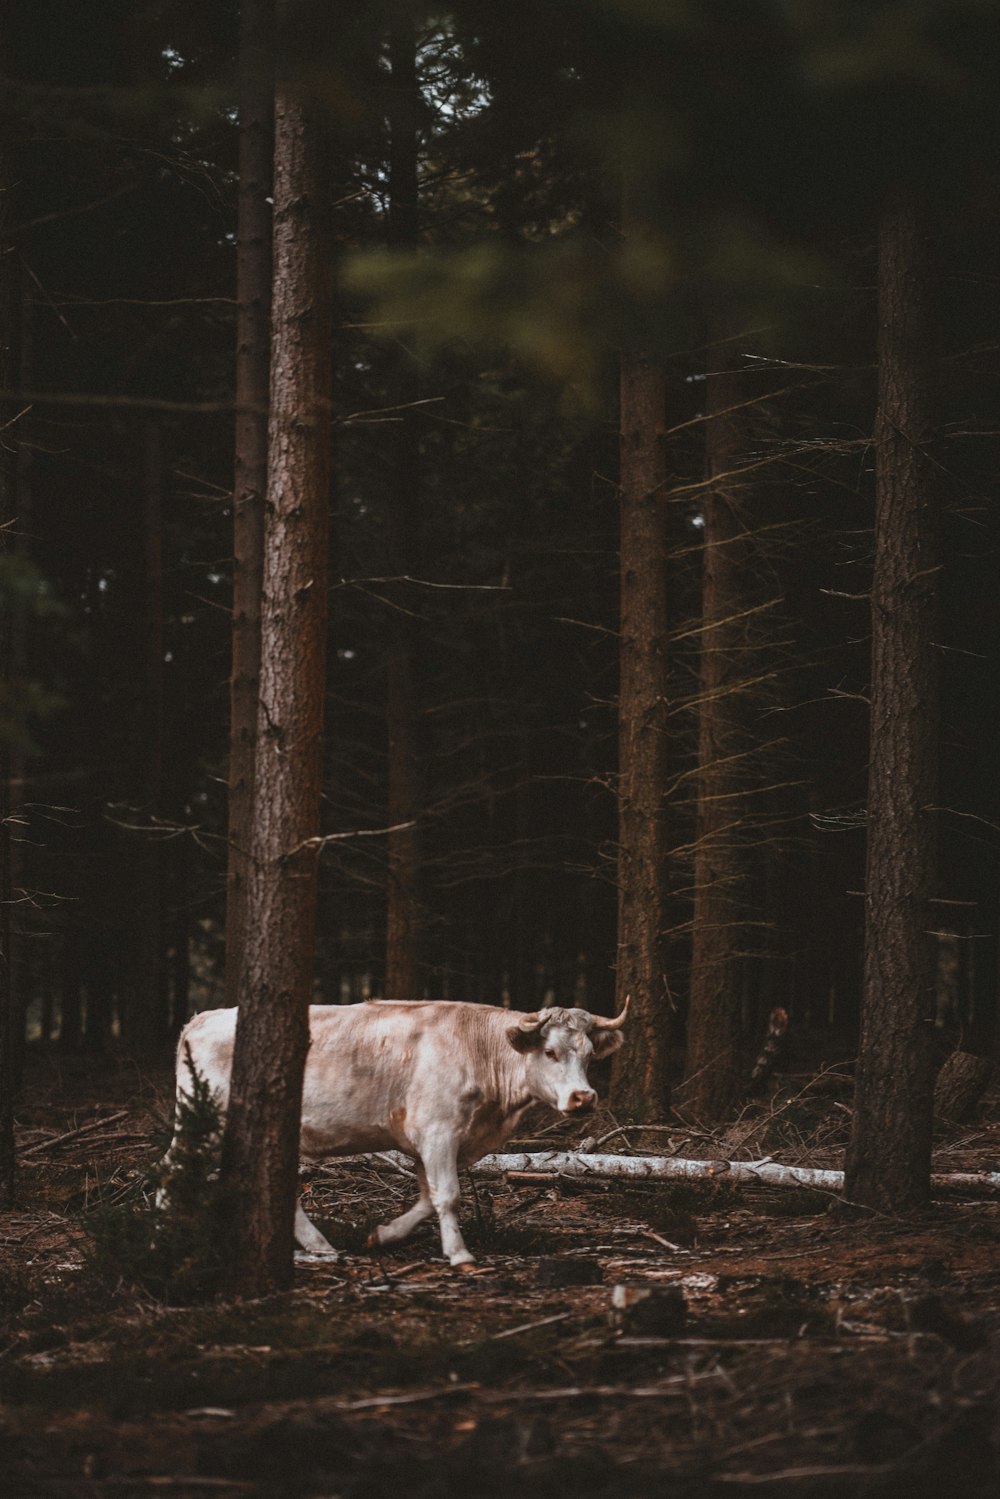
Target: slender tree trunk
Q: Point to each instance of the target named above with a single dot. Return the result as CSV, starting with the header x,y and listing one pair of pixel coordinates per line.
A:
x,y
640,1088
180,947
888,1159
402,979
145,1022
253,314
260,1152
713,1068
70,998
9,302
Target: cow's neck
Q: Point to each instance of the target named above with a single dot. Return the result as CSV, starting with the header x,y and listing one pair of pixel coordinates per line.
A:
x,y
507,1084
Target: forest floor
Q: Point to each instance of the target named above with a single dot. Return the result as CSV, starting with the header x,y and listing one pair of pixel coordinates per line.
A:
x,y
801,1351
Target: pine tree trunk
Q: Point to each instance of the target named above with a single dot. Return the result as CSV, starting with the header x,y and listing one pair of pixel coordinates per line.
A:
x,y
260,1151
9,302
640,1089
20,645
145,1018
180,945
888,1159
253,313
70,998
713,1070
402,978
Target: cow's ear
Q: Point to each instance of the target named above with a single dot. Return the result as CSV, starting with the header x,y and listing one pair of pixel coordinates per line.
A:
x,y
524,1040
605,1042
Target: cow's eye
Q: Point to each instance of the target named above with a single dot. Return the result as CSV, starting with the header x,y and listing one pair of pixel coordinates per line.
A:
x,y
552,1055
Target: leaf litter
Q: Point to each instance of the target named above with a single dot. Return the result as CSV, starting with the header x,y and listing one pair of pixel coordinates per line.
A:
x,y
818,1353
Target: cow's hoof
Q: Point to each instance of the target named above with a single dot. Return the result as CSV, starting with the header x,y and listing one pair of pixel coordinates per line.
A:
x,y
373,1241
468,1267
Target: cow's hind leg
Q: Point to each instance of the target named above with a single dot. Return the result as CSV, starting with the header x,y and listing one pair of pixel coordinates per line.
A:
x,y
398,1228
308,1236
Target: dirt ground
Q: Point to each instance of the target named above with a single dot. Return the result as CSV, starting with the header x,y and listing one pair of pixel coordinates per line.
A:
x,y
786,1348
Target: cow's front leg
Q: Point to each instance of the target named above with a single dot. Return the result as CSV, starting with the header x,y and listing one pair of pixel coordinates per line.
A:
x,y
440,1158
398,1228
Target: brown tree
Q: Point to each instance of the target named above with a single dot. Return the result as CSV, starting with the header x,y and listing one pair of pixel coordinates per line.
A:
x,y
260,1151
402,977
253,316
9,302
145,1018
640,1085
888,1159
713,1068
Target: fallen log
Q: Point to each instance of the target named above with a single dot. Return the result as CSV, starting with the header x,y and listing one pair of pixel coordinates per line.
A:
x,y
766,1171
538,1165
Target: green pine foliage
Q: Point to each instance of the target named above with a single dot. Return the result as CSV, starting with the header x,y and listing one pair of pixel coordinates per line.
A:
x,y
168,1239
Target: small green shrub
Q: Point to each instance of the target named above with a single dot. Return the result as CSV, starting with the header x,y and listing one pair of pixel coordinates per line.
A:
x,y
167,1239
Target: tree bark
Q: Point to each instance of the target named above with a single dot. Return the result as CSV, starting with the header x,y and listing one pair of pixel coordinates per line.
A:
x,y
640,1088
9,305
260,1151
713,1067
20,658
888,1159
70,998
145,1016
253,313
180,946
402,977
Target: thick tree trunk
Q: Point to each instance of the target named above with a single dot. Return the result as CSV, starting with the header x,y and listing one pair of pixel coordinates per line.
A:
x,y
260,1151
639,1079
402,976
253,315
20,657
888,1159
9,304
713,1071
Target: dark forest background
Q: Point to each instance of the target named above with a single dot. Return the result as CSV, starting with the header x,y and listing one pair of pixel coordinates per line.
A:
x,y
763,137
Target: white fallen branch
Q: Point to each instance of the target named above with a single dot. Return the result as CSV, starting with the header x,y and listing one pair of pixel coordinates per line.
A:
x,y
643,1167
647,1167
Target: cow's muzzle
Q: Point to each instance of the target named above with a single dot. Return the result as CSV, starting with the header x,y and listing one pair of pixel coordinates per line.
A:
x,y
580,1101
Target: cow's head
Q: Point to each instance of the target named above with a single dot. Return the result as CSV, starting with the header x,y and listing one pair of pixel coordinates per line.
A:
x,y
557,1046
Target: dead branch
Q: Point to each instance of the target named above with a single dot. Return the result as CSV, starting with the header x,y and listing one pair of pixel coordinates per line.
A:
x,y
72,1134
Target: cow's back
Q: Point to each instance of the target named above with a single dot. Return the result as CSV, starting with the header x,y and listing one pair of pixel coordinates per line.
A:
x,y
371,1068
209,1037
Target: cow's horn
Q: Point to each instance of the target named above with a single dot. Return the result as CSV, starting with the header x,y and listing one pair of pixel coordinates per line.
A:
x,y
600,1024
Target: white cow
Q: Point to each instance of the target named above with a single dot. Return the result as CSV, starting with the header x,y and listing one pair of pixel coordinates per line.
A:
x,y
445,1083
